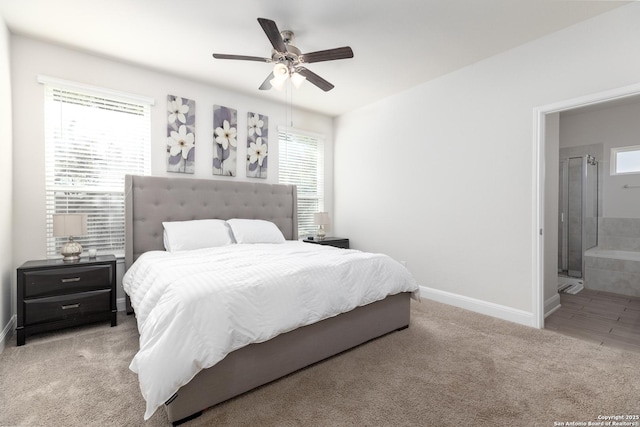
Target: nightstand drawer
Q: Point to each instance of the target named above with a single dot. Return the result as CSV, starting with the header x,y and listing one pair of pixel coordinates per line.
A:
x,y
63,307
342,243
336,242
68,280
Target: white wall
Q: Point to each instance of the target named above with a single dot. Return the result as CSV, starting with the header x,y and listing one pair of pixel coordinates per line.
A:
x,y
6,254
614,126
31,58
442,175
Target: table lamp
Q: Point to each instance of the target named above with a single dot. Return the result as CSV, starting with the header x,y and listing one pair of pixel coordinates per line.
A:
x,y
321,219
69,225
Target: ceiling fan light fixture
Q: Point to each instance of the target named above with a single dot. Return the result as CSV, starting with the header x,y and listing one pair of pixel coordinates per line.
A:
x,y
278,83
297,79
280,76
280,71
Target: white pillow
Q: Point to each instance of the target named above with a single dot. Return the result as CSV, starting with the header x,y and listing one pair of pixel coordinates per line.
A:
x,y
255,231
196,234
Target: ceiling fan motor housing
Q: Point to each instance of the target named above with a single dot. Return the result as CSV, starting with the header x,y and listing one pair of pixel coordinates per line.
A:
x,y
287,36
291,58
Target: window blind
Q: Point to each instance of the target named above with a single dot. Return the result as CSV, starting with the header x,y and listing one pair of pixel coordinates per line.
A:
x,y
92,140
301,162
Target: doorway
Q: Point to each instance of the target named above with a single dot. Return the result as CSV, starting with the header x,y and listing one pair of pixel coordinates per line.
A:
x,y
547,163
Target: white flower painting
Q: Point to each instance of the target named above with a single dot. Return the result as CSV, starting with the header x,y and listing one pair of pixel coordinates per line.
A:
x,y
226,135
257,149
225,143
181,142
181,136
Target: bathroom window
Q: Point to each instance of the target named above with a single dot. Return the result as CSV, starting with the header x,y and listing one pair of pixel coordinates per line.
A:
x,y
625,160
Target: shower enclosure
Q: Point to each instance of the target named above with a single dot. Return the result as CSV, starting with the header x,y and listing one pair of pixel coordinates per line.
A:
x,y
578,213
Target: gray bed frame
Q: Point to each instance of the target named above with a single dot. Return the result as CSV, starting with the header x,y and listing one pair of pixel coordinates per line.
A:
x,y
151,200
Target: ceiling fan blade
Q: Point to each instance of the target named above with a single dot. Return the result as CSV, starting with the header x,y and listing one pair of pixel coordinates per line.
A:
x,y
266,84
327,55
241,57
271,30
315,79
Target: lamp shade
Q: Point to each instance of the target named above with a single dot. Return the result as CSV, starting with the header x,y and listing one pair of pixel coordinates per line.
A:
x,y
280,71
65,225
297,79
280,76
321,218
277,83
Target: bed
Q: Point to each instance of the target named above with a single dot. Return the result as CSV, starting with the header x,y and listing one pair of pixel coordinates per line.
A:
x,y
151,200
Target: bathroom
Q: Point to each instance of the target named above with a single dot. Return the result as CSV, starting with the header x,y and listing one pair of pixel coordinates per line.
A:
x,y
592,209
598,205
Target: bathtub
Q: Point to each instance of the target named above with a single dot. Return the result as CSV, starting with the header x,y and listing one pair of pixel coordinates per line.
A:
x,y
613,270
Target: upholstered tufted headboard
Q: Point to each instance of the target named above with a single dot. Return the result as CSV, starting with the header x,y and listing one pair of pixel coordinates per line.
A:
x,y
150,200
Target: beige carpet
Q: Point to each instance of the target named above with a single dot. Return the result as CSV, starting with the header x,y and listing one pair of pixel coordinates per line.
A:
x,y
450,368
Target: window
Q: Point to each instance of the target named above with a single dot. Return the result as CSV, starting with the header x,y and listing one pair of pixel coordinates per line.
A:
x,y
301,162
625,160
93,138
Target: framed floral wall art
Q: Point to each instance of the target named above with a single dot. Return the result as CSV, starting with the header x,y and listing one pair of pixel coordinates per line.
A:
x,y
225,145
257,147
181,136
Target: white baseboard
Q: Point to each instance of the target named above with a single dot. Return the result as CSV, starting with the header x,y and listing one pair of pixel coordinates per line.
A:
x,y
7,332
551,304
121,304
483,307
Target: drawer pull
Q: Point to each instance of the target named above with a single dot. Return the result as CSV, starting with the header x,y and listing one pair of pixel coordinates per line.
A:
x,y
68,306
71,279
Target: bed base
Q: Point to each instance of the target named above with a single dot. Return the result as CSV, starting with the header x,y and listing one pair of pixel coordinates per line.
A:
x,y
259,364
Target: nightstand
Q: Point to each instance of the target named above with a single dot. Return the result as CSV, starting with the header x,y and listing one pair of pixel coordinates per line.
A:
x,y
53,294
338,242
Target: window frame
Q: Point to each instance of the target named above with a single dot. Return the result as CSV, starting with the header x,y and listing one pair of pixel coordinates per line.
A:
x,y
104,195
613,160
304,215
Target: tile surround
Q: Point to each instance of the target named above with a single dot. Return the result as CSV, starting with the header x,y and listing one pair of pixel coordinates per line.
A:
x,y
621,276
619,233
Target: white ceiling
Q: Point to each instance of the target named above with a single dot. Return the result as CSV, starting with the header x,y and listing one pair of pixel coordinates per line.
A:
x,y
397,44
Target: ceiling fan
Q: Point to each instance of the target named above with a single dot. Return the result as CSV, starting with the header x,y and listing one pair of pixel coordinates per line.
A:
x,y
289,60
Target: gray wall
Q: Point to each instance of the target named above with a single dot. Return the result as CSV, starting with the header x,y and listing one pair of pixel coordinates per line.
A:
x,y
612,126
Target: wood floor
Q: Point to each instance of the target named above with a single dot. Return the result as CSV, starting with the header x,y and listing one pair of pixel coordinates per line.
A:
x,y
609,319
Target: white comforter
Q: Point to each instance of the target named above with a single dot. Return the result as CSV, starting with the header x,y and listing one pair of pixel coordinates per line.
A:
x,y
195,307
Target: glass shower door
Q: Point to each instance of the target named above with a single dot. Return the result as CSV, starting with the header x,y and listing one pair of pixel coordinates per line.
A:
x,y
591,204
578,216
574,217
